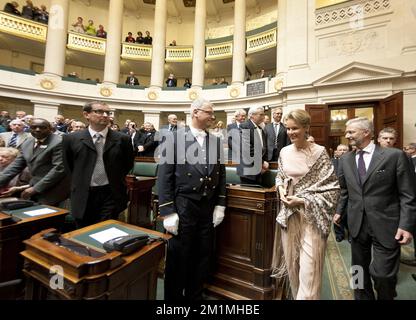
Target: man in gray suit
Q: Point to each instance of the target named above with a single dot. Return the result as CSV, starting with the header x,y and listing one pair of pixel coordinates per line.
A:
x,y
17,136
377,187
42,154
276,135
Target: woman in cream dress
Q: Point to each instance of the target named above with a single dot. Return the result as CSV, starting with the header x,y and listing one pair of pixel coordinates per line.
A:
x,y
308,191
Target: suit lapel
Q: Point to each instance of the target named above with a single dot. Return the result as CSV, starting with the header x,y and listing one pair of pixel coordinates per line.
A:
x,y
190,140
40,149
353,167
87,140
109,141
375,161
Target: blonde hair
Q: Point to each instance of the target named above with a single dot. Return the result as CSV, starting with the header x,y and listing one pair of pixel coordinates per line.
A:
x,y
12,152
301,117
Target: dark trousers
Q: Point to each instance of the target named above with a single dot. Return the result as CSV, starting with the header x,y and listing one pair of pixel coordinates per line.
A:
x,y
378,262
189,253
343,226
100,207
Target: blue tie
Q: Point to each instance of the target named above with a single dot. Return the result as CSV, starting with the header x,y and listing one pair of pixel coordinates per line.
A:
x,y
361,166
13,140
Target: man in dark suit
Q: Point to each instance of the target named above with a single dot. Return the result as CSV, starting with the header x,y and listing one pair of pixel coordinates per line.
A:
x,y
17,136
340,228
172,123
377,186
145,144
132,80
276,135
171,81
42,154
253,153
191,184
233,132
98,160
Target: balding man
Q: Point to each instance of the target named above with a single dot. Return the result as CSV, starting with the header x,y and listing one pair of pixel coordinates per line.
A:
x,y
233,132
42,154
253,153
17,136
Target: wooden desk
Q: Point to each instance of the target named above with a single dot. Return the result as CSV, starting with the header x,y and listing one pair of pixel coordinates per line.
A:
x,y
12,235
245,244
94,274
140,197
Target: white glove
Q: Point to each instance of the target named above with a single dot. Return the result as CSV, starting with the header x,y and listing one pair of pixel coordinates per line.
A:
x,y
171,223
218,215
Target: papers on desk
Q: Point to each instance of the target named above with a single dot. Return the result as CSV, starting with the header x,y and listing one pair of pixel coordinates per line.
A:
x,y
108,234
39,212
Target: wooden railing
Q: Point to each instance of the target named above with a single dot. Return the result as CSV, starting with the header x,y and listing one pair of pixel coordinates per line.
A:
x,y
82,42
21,27
136,51
219,51
262,41
179,54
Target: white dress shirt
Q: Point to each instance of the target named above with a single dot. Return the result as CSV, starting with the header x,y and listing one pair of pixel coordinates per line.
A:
x,y
368,154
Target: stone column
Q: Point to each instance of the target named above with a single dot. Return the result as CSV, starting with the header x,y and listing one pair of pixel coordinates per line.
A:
x,y
281,64
239,43
159,45
198,62
56,39
152,116
113,45
45,110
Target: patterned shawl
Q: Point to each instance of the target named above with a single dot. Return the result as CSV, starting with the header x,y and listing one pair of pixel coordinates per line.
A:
x,y
320,190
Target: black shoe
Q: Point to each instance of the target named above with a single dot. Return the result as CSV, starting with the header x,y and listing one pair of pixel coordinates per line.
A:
x,y
339,238
409,262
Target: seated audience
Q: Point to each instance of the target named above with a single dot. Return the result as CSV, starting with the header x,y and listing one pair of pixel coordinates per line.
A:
x,y
90,28
223,81
132,80
78,26
41,15
171,81
187,83
139,38
129,38
101,33
11,7
148,39
28,10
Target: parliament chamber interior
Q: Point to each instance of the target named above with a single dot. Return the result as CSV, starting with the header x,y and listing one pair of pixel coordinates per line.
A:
x,y
149,61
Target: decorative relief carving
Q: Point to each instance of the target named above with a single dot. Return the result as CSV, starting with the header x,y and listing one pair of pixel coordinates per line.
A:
x,y
352,12
193,95
152,95
106,92
234,92
352,43
47,84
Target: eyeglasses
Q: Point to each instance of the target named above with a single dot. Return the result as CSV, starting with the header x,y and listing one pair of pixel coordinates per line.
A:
x,y
100,111
211,113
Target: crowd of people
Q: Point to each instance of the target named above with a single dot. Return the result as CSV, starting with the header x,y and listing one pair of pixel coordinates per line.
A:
x,y
366,191
139,39
89,29
29,11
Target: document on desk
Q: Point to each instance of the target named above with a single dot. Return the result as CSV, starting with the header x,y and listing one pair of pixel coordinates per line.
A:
x,y
108,234
39,212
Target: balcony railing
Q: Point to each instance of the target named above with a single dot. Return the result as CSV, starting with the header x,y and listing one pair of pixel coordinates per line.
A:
x,y
262,41
82,42
22,27
179,54
136,51
219,51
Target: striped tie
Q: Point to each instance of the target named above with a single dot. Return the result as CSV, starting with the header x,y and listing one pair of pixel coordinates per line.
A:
x,y
13,140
